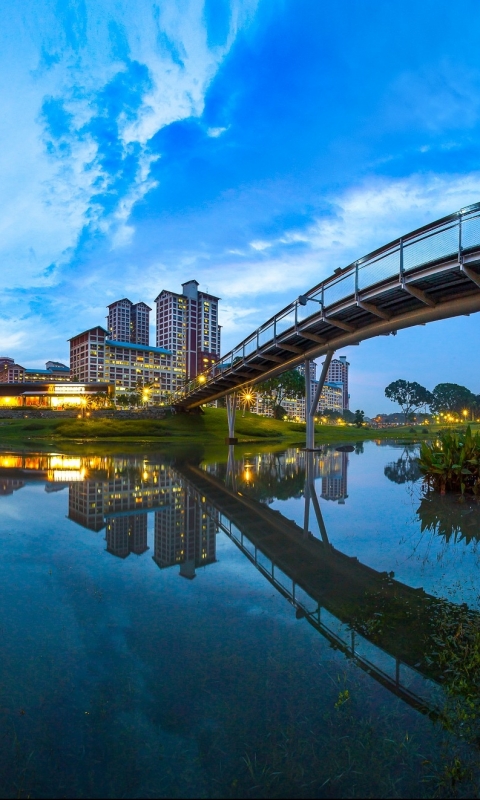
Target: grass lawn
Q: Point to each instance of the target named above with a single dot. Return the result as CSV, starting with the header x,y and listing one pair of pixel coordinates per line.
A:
x,y
208,428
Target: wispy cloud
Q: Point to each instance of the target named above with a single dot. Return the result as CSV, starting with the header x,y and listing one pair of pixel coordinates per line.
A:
x,y
106,81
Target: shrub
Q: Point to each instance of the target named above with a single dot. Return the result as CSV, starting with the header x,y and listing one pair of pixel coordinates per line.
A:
x,y
451,463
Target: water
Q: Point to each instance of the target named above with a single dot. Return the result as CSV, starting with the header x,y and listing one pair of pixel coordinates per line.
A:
x,y
173,626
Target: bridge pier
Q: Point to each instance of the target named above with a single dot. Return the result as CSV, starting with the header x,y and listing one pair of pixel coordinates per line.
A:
x,y
311,404
231,401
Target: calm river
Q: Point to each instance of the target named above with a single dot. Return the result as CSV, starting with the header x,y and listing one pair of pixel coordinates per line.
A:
x,y
265,624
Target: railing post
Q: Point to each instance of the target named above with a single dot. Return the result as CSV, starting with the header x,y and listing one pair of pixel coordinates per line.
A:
x,y
460,238
401,261
356,279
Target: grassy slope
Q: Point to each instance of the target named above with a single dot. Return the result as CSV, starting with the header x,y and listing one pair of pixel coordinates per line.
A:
x,y
208,428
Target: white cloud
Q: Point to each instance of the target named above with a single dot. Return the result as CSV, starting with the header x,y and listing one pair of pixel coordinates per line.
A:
x,y
48,199
216,132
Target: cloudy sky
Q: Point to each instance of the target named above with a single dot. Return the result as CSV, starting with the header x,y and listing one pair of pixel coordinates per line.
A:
x,y
254,145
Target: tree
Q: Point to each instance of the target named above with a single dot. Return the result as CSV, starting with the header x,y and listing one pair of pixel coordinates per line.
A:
x,y
348,415
359,417
410,396
290,384
452,397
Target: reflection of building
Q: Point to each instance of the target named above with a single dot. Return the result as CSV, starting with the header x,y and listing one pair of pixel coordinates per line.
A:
x,y
10,485
95,357
334,483
126,534
185,534
187,325
85,504
129,322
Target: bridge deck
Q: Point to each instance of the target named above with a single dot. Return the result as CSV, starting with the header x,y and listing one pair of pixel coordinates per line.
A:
x,y
431,274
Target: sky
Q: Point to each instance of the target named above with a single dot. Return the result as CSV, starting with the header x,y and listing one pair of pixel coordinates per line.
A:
x,y
252,145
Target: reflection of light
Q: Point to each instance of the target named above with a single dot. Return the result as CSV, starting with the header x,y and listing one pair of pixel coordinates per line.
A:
x,y
65,476
10,461
65,462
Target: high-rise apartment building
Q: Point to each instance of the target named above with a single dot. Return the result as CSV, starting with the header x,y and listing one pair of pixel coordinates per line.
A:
x,y
129,322
338,373
187,325
124,364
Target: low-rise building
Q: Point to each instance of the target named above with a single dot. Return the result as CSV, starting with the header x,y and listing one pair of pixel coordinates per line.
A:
x,y
50,395
95,357
10,372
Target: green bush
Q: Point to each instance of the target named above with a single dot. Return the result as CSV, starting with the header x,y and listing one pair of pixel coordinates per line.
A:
x,y
451,463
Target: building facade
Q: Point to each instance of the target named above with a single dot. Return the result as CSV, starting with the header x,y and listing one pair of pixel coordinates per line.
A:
x,y
331,398
338,373
187,326
95,357
10,372
129,322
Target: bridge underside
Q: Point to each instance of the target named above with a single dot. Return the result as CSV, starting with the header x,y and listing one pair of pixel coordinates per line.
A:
x,y
426,294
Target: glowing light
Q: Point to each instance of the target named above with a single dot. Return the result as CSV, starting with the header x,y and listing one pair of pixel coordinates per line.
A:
x,y
202,379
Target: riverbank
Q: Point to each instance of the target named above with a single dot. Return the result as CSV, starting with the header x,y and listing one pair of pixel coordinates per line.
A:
x,y
207,428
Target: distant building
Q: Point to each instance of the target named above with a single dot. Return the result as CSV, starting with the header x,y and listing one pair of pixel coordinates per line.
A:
x,y
187,326
129,322
50,394
338,373
10,372
331,397
95,357
54,370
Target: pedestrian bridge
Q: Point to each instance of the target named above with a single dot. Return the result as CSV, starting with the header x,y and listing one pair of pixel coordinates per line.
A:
x,y
430,274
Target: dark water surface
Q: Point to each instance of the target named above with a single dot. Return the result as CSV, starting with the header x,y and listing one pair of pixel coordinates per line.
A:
x,y
177,627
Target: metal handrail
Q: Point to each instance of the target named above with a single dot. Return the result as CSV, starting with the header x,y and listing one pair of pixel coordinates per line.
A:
x,y
397,246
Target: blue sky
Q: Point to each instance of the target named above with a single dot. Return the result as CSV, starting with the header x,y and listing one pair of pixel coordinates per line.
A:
x,y
254,145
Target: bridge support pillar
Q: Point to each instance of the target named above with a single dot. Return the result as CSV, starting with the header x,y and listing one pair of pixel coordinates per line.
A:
x,y
231,400
312,404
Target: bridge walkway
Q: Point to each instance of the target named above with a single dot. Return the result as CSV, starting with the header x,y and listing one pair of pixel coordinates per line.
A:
x,y
430,274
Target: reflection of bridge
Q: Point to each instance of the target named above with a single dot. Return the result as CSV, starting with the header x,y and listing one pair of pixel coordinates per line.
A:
x,y
383,625
386,627
432,273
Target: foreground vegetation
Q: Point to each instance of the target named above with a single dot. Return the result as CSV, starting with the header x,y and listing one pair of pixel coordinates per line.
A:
x,y
210,427
451,463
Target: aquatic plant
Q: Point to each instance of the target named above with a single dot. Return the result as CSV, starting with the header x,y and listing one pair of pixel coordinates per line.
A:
x,y
451,463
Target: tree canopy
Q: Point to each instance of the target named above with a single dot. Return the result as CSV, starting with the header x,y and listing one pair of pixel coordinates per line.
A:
x,y
290,384
452,397
409,395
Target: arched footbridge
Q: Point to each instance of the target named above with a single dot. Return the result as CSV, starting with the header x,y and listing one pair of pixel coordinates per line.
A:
x,y
430,274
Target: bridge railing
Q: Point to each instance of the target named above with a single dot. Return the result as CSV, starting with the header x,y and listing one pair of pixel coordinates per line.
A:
x,y
447,238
